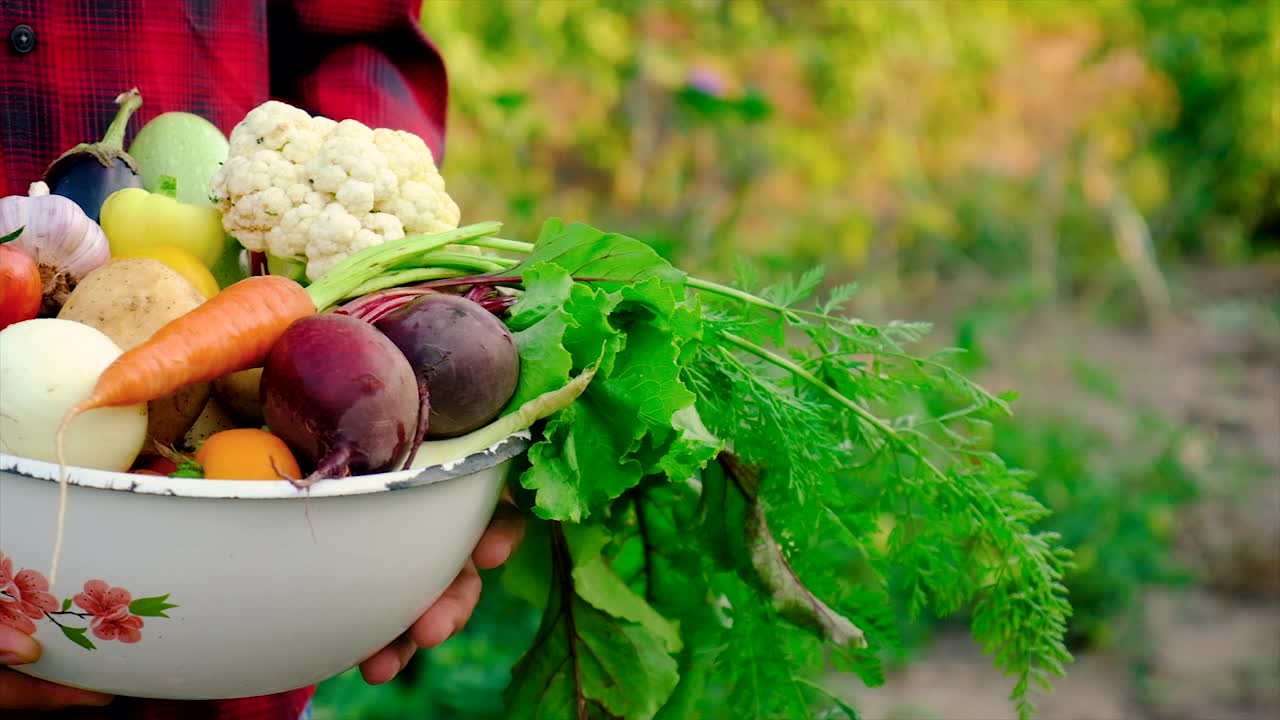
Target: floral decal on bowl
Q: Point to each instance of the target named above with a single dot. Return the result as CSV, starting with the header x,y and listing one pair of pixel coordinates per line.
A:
x,y
109,612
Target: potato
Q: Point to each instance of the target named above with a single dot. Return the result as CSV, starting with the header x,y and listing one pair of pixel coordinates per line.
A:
x,y
129,300
238,394
213,420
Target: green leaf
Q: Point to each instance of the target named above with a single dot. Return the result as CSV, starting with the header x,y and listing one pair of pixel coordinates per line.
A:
x,y
545,364
584,663
624,425
792,599
188,468
527,573
586,252
13,235
151,606
597,583
546,289
559,326
766,685
849,711
722,513
847,433
77,636
66,604
581,462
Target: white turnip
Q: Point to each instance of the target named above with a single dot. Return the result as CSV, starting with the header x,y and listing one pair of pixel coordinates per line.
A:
x,y
48,365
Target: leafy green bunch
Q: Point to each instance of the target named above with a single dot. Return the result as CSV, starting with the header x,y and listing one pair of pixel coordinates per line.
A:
x,y
745,484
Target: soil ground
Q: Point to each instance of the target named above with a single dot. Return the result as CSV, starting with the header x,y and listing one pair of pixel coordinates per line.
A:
x,y
1208,652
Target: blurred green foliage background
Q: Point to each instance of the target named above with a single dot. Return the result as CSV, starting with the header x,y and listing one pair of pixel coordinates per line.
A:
x,y
918,138
993,167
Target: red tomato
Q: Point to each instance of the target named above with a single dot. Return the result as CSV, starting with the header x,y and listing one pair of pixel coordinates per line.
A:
x,y
154,465
21,291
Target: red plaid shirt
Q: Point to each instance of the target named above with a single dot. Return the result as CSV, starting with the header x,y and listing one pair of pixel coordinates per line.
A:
x,y
60,74
65,61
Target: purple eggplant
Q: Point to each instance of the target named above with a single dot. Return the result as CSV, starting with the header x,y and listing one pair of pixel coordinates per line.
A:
x,y
89,172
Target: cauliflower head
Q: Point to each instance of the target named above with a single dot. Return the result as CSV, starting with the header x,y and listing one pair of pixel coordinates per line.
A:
x,y
315,190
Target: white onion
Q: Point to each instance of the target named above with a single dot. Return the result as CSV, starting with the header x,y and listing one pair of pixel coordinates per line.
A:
x,y
47,366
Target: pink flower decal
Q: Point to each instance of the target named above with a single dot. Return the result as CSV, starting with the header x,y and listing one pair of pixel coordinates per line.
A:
x,y
111,612
23,597
109,607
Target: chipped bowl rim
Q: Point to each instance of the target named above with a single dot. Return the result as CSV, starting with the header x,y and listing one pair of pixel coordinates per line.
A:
x,y
507,448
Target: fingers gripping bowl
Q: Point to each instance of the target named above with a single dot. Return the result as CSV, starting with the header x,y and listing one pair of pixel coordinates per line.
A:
x,y
183,588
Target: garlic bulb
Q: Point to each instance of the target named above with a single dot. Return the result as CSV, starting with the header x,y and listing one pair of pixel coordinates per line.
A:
x,y
65,243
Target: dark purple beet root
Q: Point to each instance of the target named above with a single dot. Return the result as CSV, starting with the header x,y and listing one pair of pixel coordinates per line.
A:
x,y
464,355
342,396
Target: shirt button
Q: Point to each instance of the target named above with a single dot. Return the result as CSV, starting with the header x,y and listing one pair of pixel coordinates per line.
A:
x,y
23,39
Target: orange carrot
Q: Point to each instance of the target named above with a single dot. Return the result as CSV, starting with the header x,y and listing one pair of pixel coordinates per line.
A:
x,y
231,331
235,329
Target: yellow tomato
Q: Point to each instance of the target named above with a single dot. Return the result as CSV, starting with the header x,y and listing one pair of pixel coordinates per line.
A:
x,y
247,454
187,265
133,218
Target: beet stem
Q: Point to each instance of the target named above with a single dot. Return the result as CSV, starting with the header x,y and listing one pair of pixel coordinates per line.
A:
x,y
258,263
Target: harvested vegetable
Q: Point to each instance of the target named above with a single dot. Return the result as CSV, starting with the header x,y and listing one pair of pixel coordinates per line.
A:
x,y
240,394
46,366
235,329
90,172
183,146
315,191
130,300
181,261
213,420
342,396
65,243
464,358
247,454
134,218
696,472
722,468
150,464
19,285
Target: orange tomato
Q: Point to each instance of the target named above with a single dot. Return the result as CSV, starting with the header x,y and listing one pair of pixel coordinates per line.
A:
x,y
247,454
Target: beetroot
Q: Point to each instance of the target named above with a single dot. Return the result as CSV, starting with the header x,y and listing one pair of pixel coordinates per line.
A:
x,y
343,397
464,357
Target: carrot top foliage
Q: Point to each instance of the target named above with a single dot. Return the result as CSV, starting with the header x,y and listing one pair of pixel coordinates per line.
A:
x,y
748,480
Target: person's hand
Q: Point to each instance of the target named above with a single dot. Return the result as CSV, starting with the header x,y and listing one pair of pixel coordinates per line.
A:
x,y
452,611
19,691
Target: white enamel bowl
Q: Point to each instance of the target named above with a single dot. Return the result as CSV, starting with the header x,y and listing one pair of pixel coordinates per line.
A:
x,y
274,588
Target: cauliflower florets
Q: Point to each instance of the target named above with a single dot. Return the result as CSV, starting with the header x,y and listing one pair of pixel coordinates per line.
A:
x,y
315,190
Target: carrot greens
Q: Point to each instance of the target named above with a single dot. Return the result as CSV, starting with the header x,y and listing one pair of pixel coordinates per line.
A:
x,y
750,482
